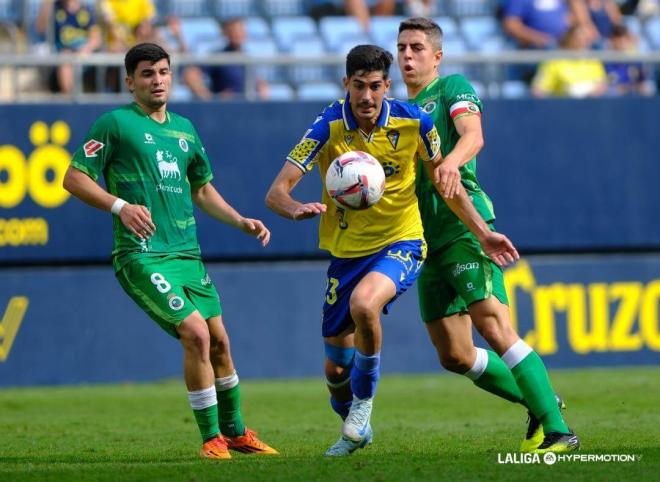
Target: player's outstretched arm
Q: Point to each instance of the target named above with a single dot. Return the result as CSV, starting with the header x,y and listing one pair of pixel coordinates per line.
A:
x,y
135,217
209,200
497,246
279,200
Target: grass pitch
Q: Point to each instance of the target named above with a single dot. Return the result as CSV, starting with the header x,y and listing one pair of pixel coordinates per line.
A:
x,y
427,427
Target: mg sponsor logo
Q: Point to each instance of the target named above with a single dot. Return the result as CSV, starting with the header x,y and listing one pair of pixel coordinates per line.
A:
x,y
459,268
168,165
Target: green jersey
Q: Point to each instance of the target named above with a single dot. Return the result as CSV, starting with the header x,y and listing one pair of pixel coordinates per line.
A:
x,y
445,100
152,164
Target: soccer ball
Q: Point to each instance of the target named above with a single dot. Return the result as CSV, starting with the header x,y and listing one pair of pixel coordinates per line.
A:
x,y
355,180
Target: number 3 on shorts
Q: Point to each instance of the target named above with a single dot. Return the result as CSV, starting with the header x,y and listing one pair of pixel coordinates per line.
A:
x,y
161,283
331,291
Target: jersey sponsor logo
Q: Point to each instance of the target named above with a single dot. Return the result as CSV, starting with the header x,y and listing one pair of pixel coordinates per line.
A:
x,y
469,97
429,106
462,108
91,147
148,138
459,268
183,144
206,280
175,302
393,137
168,165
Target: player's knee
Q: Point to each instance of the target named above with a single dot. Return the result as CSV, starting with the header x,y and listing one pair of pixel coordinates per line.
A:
x,y
364,312
196,339
497,334
455,361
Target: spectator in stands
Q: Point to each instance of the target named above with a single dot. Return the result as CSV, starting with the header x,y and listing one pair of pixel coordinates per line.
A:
x,y
227,81
571,77
168,35
124,21
534,24
325,8
74,30
628,77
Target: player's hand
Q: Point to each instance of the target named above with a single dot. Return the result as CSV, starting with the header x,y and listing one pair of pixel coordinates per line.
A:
x,y
449,177
137,219
255,228
499,248
309,210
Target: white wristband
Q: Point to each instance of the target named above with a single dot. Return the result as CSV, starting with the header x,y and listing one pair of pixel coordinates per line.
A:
x,y
117,205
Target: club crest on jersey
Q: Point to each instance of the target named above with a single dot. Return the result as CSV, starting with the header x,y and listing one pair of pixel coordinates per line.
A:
x,y
167,165
91,147
429,107
183,144
148,138
393,137
348,138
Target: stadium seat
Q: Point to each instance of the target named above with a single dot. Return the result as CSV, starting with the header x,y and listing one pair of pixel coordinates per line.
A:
x,y
476,30
8,11
453,48
464,8
325,91
288,29
449,27
257,28
346,45
277,8
384,31
335,30
633,24
493,45
399,91
307,72
224,9
264,48
186,8
281,91
652,28
201,35
514,89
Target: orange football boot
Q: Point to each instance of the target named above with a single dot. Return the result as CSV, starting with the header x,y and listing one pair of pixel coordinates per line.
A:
x,y
215,448
248,443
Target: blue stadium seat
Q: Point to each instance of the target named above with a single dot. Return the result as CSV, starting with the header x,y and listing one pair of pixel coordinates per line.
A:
x,y
202,34
514,89
478,29
633,24
449,27
224,9
399,91
335,30
8,11
281,91
257,28
278,8
384,31
494,45
652,28
309,72
186,8
453,48
288,29
264,48
464,8
346,45
325,91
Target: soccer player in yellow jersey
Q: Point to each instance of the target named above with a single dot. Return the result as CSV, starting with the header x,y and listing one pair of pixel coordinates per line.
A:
x,y
377,253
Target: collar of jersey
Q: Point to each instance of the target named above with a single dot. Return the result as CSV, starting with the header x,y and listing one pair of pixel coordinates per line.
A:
x,y
139,110
425,90
349,120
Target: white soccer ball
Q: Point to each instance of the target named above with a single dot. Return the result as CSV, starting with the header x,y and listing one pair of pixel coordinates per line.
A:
x,y
355,180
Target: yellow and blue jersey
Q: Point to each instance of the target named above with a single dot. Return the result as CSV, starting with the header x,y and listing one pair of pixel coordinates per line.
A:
x,y
403,133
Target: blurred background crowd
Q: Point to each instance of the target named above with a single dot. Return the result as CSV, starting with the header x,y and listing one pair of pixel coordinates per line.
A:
x,y
490,32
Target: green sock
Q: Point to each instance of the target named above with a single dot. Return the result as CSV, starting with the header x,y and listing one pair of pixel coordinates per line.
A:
x,y
207,421
532,378
229,408
496,377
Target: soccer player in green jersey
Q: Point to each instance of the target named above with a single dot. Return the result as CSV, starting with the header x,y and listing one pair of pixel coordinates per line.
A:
x,y
155,167
459,285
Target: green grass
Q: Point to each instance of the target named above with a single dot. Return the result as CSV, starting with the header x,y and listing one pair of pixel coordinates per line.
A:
x,y
427,427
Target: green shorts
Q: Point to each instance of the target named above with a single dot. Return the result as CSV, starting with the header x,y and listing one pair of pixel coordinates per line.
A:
x,y
456,276
169,289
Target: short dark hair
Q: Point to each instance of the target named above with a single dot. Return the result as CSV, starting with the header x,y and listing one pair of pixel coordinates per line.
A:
x,y
429,27
368,58
145,51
